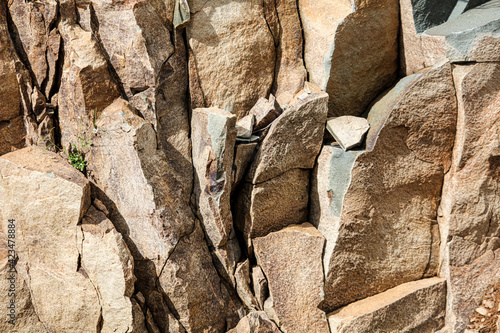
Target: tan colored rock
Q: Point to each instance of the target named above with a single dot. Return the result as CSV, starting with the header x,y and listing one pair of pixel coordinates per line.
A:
x,y
192,285
87,87
37,185
233,53
362,200
293,141
348,131
272,205
430,34
260,286
417,306
265,111
291,261
242,277
255,322
109,264
213,135
290,73
469,211
350,50
244,126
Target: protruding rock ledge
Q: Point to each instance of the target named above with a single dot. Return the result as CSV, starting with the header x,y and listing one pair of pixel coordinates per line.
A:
x,y
417,306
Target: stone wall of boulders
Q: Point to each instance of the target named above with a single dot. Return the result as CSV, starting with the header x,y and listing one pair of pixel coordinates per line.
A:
x,y
189,166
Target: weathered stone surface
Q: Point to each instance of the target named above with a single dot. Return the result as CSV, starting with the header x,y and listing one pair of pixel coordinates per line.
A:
x,y
469,216
290,73
293,141
417,306
109,264
362,200
272,205
242,276
37,185
244,126
260,286
233,53
192,285
429,34
295,276
348,131
87,86
265,111
213,135
243,154
255,322
350,50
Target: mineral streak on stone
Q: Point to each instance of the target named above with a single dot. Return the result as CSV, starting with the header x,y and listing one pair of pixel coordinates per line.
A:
x,y
295,276
360,198
417,306
470,211
351,50
213,135
233,53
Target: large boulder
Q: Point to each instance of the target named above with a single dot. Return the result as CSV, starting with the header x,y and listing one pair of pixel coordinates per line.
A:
x,y
469,217
350,50
377,207
291,261
232,53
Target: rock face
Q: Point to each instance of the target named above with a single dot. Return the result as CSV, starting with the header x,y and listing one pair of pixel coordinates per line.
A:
x,y
347,205
472,229
295,276
238,32
470,34
350,50
421,302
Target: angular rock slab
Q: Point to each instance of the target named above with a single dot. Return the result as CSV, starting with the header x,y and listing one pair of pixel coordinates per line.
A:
x,y
349,131
291,261
471,36
350,50
362,201
233,53
47,198
417,306
470,208
272,205
265,111
213,135
294,139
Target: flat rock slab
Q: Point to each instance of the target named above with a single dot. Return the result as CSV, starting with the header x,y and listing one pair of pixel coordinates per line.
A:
x,y
291,261
417,306
349,131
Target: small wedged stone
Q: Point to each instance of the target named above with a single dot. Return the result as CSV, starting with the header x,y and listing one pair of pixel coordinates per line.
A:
x,y
291,261
242,277
244,126
417,306
348,131
213,135
265,111
260,286
255,322
243,154
362,200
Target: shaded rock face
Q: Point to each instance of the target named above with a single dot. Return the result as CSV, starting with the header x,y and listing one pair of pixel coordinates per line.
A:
x,y
165,164
471,229
359,260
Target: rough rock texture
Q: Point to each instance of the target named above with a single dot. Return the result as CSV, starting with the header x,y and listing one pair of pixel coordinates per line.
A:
x,y
233,53
361,199
255,322
348,131
417,306
430,34
295,276
470,211
33,183
351,50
